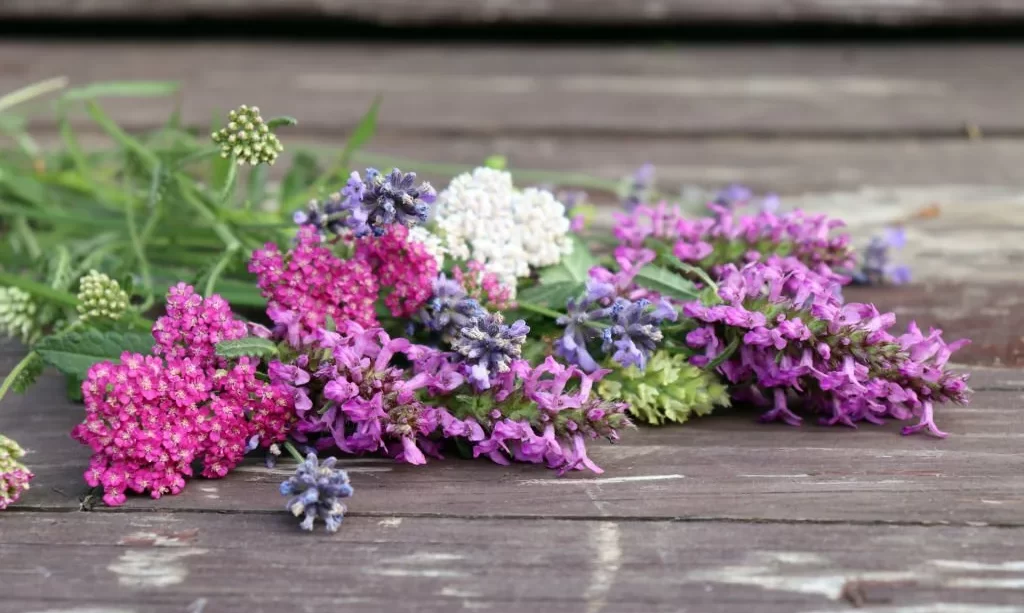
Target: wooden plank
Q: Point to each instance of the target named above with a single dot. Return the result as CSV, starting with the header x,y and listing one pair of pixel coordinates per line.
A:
x,y
619,91
243,562
901,174
699,470
567,12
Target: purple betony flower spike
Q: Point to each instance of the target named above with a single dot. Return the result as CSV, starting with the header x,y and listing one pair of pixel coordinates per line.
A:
x,y
839,358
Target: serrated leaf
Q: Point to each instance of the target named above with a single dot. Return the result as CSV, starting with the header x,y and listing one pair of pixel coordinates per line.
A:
x,y
666,283
73,353
552,295
252,346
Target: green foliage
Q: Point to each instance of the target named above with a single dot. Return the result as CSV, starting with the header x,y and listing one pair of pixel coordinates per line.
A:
x,y
666,283
670,389
75,351
28,374
252,346
553,295
574,267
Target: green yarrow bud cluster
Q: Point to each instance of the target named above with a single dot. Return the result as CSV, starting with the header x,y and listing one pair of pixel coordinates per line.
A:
x,y
669,389
248,138
100,297
14,476
19,314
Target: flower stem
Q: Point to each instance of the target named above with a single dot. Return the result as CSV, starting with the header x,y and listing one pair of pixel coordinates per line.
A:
x,y
218,269
725,355
292,451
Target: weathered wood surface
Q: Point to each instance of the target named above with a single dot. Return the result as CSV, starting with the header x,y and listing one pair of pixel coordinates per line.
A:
x,y
620,92
568,12
188,562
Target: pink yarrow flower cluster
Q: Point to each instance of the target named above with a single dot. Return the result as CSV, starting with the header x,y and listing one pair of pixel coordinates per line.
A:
x,y
193,326
401,264
727,236
148,418
351,394
485,287
776,331
311,281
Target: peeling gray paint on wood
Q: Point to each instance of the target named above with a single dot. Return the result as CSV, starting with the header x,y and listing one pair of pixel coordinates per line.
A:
x,y
439,564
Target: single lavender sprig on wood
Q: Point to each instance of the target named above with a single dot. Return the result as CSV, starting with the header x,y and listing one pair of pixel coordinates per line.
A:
x,y
316,491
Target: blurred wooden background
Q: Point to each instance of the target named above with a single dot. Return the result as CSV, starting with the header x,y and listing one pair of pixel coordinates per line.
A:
x,y
615,12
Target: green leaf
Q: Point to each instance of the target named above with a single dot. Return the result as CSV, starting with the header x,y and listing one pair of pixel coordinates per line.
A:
x,y
29,92
666,282
552,294
283,120
301,175
364,131
573,267
253,346
73,353
122,89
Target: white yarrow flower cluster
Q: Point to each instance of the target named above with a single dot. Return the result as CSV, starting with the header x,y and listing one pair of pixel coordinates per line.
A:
x,y
431,242
482,217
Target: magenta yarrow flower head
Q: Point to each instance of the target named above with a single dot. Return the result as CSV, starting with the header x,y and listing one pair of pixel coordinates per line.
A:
x,y
148,418
729,236
403,265
193,326
314,283
762,330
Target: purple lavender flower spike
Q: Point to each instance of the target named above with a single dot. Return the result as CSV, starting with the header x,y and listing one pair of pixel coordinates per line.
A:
x,y
316,490
395,198
641,183
489,346
734,195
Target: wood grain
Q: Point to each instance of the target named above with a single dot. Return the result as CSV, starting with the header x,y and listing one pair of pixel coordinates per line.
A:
x,y
184,561
635,91
568,12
